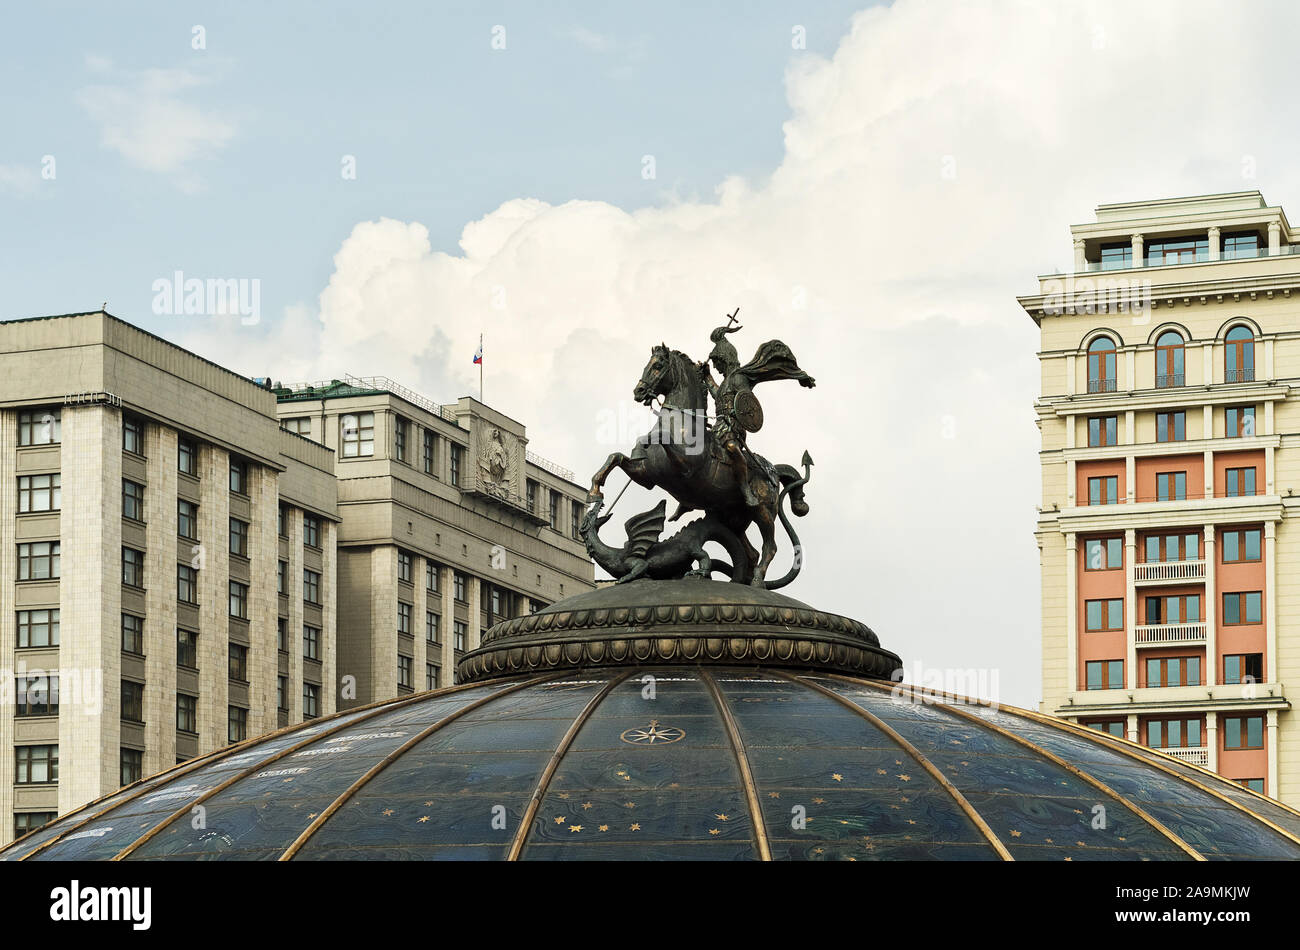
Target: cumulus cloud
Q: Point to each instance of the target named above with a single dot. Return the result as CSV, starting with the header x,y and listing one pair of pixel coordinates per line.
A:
x,y
932,166
149,118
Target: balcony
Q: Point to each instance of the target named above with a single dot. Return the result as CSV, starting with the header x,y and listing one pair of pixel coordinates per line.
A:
x,y
1196,755
1163,634
1246,375
1200,256
1169,381
1169,572
1101,385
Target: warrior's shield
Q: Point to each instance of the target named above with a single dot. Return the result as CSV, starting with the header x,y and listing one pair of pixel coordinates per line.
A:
x,y
748,411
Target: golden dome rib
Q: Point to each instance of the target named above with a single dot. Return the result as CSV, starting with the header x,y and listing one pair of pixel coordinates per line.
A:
x,y
742,764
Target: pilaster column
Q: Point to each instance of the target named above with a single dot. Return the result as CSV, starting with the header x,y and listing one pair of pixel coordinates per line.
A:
x,y
1071,610
1131,724
448,623
293,624
1215,243
1270,470
1137,250
383,639
1071,483
1207,473
1274,238
1071,368
1130,372
264,602
1130,427
475,611
1130,478
1270,782
1130,608
160,600
1080,263
213,565
419,628
8,621
1211,609
329,537
1212,739
1270,602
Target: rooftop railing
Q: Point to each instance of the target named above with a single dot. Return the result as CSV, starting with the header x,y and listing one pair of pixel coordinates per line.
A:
x,y
1200,257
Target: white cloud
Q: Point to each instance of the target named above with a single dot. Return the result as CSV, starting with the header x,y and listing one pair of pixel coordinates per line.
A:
x,y
921,423
147,117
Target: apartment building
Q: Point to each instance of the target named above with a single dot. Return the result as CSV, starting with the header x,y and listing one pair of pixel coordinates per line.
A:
x,y
448,525
164,543
1169,417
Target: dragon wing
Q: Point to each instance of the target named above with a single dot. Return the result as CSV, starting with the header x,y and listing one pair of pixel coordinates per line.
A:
x,y
644,530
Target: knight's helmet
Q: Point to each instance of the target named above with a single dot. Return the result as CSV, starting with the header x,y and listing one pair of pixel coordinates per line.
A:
x,y
722,348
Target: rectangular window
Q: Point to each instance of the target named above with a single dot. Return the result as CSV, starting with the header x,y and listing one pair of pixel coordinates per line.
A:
x,y
431,577
26,822
531,489
133,436
187,649
430,442
132,762
1239,422
282,522
132,567
187,713
575,520
298,425
1104,614
1184,608
404,561
282,634
132,500
460,632
132,701
36,764
38,561
1103,430
404,671
494,603
358,434
239,663
1174,671
1178,251
1171,426
458,587
399,438
1243,608
281,692
187,457
1174,733
1171,486
237,729
430,676
187,584
38,628
39,493
1243,668
1103,554
238,537
281,576
1243,732
1172,547
311,642
403,618
1241,545
36,696
133,634
310,700
1114,727
1117,256
1239,245
42,427
454,474
311,531
1254,784
187,520
1239,482
555,510
238,477
238,600
310,587
431,623
1105,674
1104,490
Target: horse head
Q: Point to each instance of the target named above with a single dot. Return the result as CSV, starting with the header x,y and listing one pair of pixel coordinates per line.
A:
x,y
656,378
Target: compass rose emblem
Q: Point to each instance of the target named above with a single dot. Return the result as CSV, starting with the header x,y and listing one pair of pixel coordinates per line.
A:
x,y
653,734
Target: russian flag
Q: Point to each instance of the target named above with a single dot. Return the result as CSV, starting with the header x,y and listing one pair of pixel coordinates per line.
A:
x,y
478,357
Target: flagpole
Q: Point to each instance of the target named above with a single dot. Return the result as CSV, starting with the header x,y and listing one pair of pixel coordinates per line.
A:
x,y
480,368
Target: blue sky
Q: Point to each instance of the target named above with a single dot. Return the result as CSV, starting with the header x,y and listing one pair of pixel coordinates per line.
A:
x,y
443,127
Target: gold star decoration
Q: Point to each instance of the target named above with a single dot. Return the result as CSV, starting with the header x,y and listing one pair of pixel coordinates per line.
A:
x,y
714,831
773,794
575,827
629,804
564,794
1049,841
586,806
819,801
817,850
1081,844
428,804
602,827
721,817
674,785
1068,858
289,779
905,777
837,777
388,811
882,771
852,858
423,818
635,826
910,821
311,816
560,820
1015,834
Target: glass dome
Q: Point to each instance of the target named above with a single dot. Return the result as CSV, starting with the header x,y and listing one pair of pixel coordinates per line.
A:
x,y
678,762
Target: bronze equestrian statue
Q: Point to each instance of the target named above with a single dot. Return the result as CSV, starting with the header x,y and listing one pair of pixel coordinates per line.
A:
x,y
710,467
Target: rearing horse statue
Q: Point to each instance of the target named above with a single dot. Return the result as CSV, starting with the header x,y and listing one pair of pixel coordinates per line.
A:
x,y
681,455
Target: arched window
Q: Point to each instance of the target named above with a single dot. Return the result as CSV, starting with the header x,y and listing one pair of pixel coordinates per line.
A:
x,y
1169,360
1101,365
1239,356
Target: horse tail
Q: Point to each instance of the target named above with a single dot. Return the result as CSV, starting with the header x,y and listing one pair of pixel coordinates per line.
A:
x,y
793,484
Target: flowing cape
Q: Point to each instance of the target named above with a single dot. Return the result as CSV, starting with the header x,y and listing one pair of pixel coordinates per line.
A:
x,y
773,360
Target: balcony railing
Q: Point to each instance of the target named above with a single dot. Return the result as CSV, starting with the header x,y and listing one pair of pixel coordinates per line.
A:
x,y
1169,381
1197,755
1200,257
1154,571
1246,375
1101,385
1162,633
